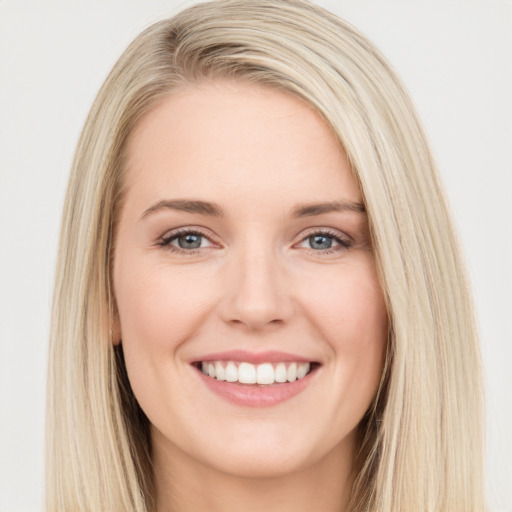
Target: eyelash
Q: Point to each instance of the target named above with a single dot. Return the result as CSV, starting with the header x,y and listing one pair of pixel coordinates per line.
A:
x,y
165,242
343,243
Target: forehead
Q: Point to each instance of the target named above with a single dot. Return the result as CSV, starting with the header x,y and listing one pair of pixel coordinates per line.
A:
x,y
226,140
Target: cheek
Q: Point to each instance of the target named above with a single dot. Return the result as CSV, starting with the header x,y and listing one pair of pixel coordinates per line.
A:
x,y
351,315
349,307
158,306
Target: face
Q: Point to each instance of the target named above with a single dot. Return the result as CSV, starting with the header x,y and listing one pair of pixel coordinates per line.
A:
x,y
250,314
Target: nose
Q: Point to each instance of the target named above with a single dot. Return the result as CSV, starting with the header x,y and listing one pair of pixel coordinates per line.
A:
x,y
256,293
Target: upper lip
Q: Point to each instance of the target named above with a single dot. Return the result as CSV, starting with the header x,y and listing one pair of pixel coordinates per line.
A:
x,y
270,356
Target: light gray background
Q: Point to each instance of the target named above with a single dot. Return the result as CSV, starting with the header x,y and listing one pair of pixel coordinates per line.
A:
x,y
455,57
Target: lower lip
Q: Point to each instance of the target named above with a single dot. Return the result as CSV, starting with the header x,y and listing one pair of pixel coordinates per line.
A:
x,y
254,395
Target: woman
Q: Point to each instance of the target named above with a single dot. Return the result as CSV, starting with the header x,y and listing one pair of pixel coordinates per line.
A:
x,y
212,350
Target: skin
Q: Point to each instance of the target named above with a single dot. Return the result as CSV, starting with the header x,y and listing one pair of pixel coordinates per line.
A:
x,y
258,282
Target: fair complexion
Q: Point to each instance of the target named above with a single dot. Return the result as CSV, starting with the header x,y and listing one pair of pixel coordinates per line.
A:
x,y
257,269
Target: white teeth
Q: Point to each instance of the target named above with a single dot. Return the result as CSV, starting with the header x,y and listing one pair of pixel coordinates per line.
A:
x,y
291,374
247,373
302,370
231,372
280,373
220,373
263,374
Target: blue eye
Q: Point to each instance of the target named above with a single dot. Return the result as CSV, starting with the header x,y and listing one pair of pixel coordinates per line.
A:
x,y
320,242
187,241
325,242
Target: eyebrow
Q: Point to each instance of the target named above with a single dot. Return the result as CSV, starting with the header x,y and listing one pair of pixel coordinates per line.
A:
x,y
215,210
307,210
186,205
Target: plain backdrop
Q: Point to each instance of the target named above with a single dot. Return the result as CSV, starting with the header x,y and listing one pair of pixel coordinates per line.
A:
x,y
455,58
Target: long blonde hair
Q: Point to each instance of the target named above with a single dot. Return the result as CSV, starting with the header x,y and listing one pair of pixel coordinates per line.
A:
x,y
421,443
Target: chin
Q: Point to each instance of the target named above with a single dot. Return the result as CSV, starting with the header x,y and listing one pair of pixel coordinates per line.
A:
x,y
263,453
259,463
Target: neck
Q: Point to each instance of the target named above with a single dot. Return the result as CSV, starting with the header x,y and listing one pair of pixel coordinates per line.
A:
x,y
186,485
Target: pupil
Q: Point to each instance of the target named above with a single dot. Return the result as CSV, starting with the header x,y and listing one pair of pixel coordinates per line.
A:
x,y
189,241
320,242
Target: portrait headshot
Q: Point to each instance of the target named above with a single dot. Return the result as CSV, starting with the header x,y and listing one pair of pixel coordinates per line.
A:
x,y
255,256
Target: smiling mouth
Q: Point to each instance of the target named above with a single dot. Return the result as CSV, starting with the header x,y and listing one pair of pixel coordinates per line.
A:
x,y
265,374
